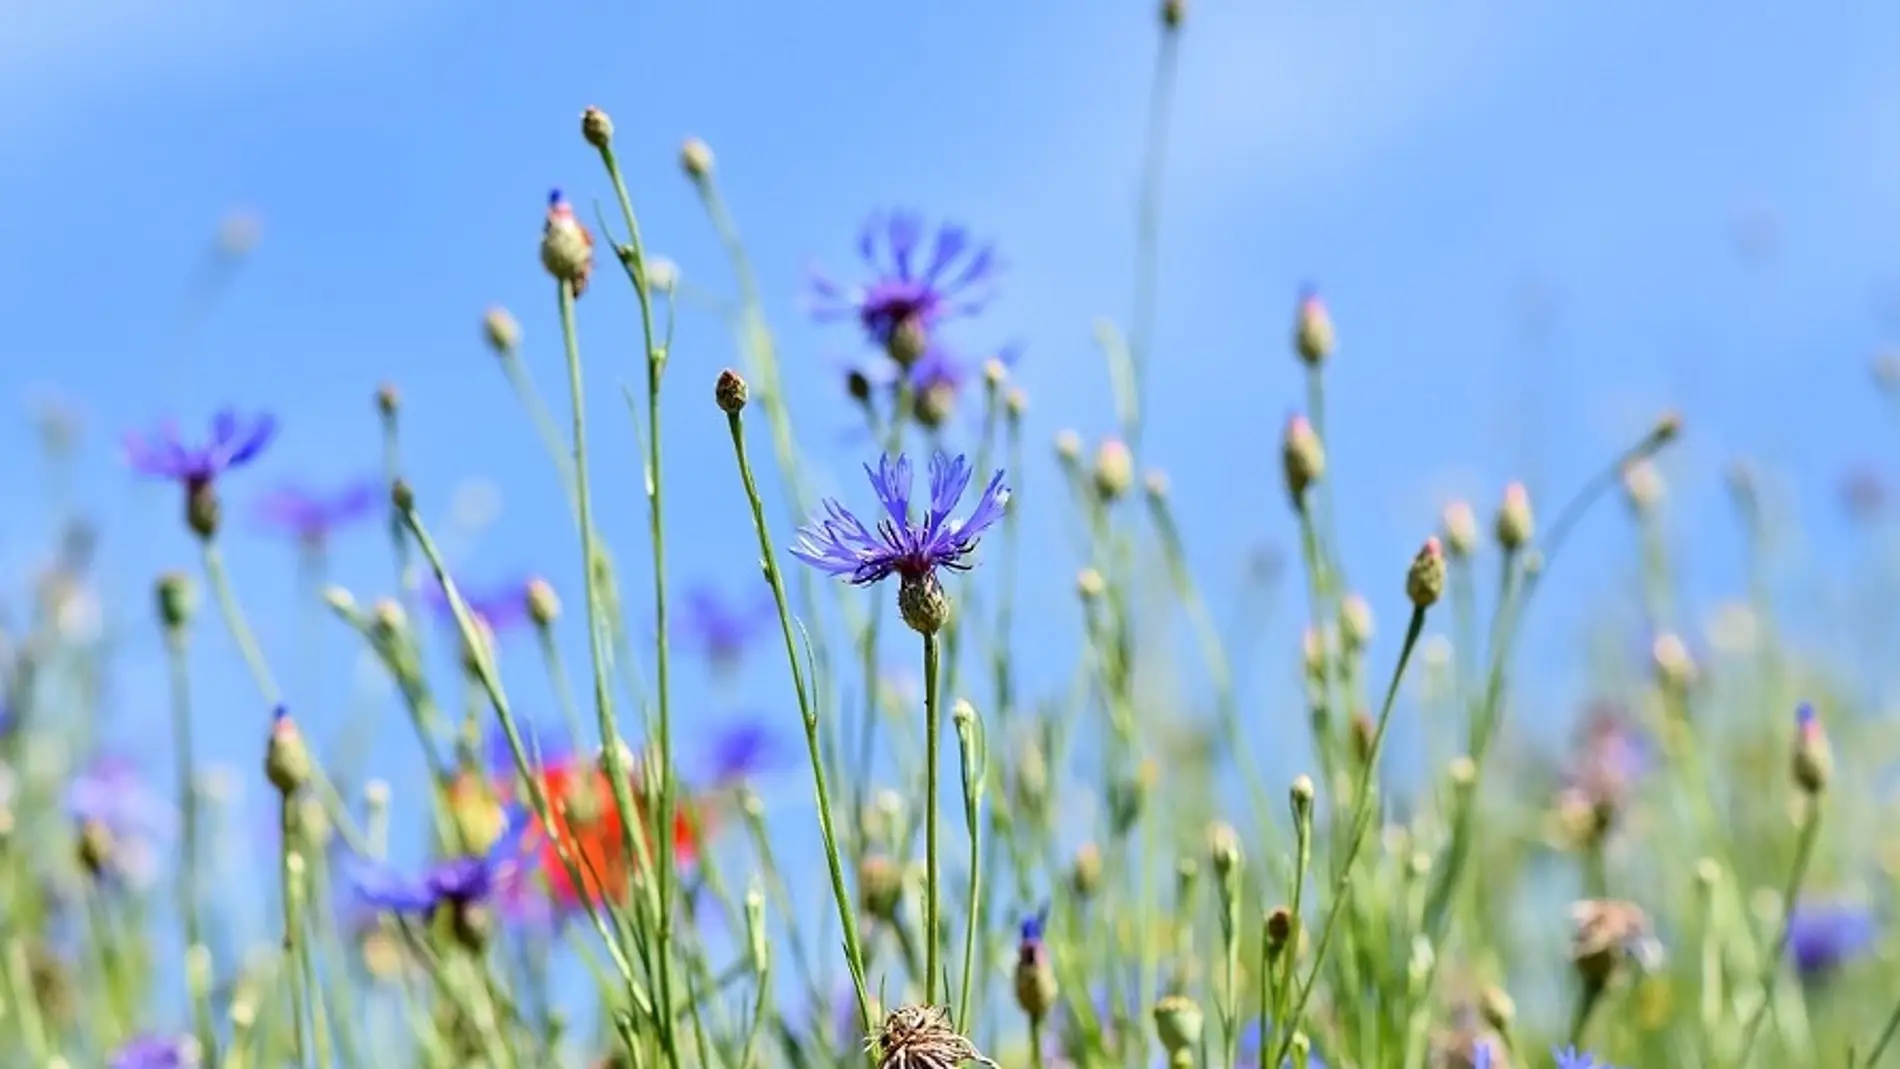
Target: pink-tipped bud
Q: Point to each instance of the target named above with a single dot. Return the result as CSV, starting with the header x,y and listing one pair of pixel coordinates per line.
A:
x,y
567,249
1303,457
1114,469
1425,580
1461,529
1813,758
1642,486
1312,330
1516,525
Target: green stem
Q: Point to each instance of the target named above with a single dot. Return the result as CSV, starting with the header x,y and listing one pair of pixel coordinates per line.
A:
x,y
240,630
1803,854
847,915
1361,822
973,759
933,726
290,871
1148,232
188,814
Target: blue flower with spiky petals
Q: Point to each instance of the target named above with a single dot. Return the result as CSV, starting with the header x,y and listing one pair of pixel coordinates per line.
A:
x,y
457,882
913,549
909,291
1572,1058
233,443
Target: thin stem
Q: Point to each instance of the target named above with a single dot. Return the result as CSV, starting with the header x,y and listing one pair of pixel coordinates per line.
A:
x,y
188,816
847,915
1361,821
1148,229
933,726
240,630
1803,854
973,757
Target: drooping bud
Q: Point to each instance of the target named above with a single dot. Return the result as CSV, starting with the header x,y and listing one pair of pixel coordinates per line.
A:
x,y
923,603
1461,529
1813,758
1425,580
1355,623
544,605
1303,458
567,249
177,600
1114,469
1312,330
501,331
730,392
1178,1025
597,128
696,159
286,758
1515,524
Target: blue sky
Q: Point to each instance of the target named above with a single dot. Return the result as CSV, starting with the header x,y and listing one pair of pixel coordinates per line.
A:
x,y
1428,165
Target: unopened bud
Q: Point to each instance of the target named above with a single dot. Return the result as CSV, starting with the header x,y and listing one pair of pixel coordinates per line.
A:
x,y
731,392
1497,1008
1173,13
340,600
1223,849
567,249
597,128
1302,798
1515,524
96,848
1279,925
177,600
402,495
880,886
1303,458
758,943
1089,584
696,159
1155,485
501,331
1642,485
1085,871
388,399
1178,1022
1068,446
1016,402
286,758
1813,759
544,605
1114,469
1312,330
1425,580
1675,669
1355,623
1461,529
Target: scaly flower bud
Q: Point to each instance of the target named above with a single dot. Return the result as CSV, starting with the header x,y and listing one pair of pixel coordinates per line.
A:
x,y
1461,529
597,128
731,392
1303,458
1178,1025
1355,623
1515,524
1425,580
567,249
1313,330
1114,469
286,758
176,600
544,605
1035,979
1813,760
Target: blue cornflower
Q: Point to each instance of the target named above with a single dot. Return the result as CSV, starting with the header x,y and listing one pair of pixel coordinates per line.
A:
x,y
1822,936
907,297
233,443
156,1052
310,516
1571,1058
457,883
841,545
738,751
501,607
938,378
722,628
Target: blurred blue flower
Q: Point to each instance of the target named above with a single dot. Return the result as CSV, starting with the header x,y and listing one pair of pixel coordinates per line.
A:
x,y
905,289
722,628
1822,936
1567,1058
156,1052
841,545
233,442
455,882
311,516
113,793
740,750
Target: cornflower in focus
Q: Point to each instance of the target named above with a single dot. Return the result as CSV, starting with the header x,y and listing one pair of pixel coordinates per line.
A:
x,y
722,628
233,443
312,516
909,292
841,545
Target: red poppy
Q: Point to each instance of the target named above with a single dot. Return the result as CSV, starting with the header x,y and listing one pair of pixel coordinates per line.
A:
x,y
587,823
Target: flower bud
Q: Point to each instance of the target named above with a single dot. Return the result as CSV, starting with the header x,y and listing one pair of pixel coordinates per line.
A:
x,y
1813,759
1425,580
1312,330
387,620
1303,458
1155,485
880,886
909,340
1497,1008
1461,529
1515,524
1128,796
1361,732
1606,934
758,942
388,399
1675,669
1114,469
96,847
402,495
1016,402
340,600
286,758
597,128
1178,1025
1279,929
1301,796
1089,584
1355,623
1068,446
923,603
177,599
1085,871
696,159
567,249
202,509
1642,486
731,392
1035,979
1173,12
544,605
1668,426
1223,849
1313,653
501,331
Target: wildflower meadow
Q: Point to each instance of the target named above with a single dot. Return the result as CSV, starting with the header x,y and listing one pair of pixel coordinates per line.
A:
x,y
957,748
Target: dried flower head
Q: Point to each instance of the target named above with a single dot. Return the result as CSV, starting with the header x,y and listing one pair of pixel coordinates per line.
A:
x,y
913,549
1608,934
922,1037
